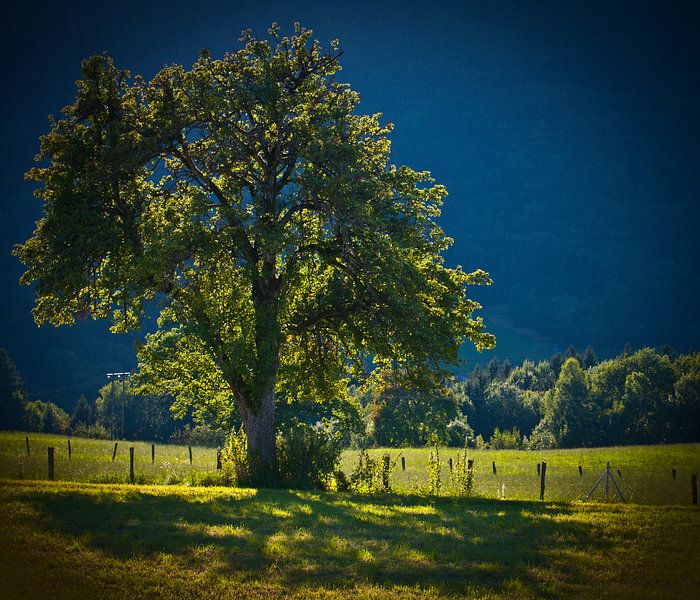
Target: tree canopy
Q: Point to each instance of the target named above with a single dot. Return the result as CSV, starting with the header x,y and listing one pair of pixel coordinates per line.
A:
x,y
249,198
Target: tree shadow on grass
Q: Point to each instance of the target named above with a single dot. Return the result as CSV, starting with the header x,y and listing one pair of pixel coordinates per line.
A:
x,y
336,540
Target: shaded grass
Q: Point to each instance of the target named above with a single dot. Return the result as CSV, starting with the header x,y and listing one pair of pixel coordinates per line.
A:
x,y
74,540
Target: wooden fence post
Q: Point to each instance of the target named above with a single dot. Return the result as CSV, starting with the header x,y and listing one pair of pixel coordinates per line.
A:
x,y
403,463
694,486
131,464
450,463
114,453
218,460
385,472
153,453
26,439
190,450
580,470
493,465
69,451
673,472
51,471
619,474
542,478
538,469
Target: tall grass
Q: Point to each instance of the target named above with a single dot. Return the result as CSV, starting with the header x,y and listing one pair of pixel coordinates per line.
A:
x,y
646,471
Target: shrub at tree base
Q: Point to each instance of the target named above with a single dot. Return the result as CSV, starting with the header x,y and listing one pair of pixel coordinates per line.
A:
x,y
308,457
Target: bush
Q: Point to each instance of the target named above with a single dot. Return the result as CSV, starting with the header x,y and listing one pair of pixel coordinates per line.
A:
x,y
460,432
234,459
506,440
96,431
371,475
308,456
45,417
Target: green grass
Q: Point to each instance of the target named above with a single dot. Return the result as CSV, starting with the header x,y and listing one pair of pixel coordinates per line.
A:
x,y
76,540
646,470
91,460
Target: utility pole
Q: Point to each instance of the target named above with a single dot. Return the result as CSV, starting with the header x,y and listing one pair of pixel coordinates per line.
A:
x,y
123,377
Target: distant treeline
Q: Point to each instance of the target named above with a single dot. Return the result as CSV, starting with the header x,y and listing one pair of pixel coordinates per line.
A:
x,y
571,400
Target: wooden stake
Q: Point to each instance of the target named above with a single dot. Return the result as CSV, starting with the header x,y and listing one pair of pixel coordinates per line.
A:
x,y
450,463
403,463
69,451
694,487
580,470
51,471
542,479
26,439
131,464
114,454
493,466
218,460
190,449
673,472
153,453
538,469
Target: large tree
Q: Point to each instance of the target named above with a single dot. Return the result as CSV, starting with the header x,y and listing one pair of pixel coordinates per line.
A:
x,y
248,198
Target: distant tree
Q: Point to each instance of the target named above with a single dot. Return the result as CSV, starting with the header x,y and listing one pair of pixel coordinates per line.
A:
x,y
249,196
571,352
505,369
568,410
506,408
45,417
589,359
12,394
33,415
632,394
82,413
667,350
404,416
556,363
56,420
493,368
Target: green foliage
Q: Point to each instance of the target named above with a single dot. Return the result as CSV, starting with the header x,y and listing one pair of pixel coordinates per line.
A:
x,y
252,199
83,414
434,473
509,439
95,431
12,393
403,416
462,476
234,459
308,456
45,417
371,475
460,432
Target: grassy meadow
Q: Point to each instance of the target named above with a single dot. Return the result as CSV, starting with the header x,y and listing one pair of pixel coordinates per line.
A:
x,y
77,540
645,471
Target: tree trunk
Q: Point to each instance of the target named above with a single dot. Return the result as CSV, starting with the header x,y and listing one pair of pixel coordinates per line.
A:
x,y
259,417
259,427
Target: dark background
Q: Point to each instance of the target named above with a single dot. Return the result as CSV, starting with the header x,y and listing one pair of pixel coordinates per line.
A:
x,y
567,134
